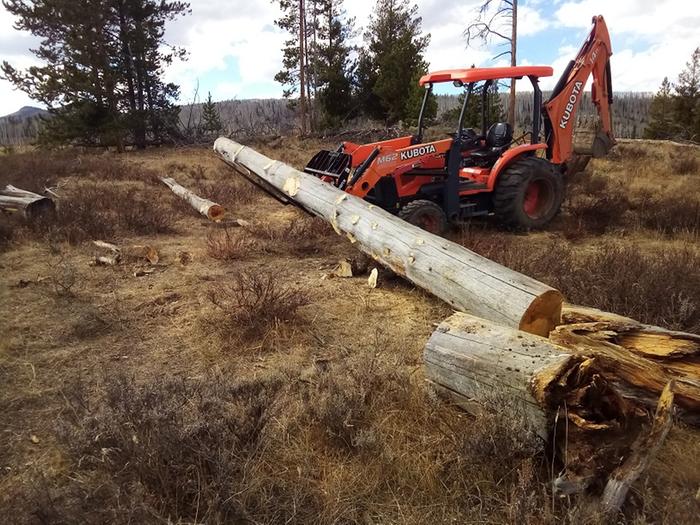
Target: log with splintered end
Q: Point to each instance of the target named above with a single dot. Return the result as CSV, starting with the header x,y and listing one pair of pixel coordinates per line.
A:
x,y
211,210
482,364
30,204
640,360
460,277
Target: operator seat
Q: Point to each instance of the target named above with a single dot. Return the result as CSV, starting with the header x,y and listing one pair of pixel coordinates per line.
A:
x,y
498,138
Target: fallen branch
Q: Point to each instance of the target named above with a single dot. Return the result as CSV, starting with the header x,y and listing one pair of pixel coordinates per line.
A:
x,y
211,210
643,452
460,277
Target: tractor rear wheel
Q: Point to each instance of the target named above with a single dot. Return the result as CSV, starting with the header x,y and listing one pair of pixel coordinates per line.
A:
x,y
528,193
425,214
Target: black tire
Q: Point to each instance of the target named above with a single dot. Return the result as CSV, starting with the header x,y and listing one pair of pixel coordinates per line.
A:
x,y
528,193
425,214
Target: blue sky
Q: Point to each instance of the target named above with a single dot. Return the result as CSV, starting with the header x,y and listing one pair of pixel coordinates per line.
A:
x,y
234,47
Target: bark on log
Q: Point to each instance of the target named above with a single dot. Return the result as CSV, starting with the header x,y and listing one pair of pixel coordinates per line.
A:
x,y
480,364
643,452
211,210
30,204
460,277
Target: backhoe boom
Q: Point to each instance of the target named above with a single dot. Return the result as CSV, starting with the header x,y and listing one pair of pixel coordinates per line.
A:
x,y
560,119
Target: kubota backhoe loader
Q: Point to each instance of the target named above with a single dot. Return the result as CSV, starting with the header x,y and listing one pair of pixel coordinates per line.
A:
x,y
479,172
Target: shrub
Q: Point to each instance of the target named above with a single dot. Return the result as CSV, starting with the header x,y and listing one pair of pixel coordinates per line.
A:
x,y
594,205
254,302
301,236
223,246
684,163
668,213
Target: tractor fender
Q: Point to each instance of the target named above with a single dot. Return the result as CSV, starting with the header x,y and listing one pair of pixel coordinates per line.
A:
x,y
508,157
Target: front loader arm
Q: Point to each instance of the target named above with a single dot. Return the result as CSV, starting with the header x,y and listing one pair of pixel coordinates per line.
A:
x,y
560,109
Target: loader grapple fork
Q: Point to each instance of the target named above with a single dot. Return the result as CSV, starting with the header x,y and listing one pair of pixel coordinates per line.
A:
x,y
333,164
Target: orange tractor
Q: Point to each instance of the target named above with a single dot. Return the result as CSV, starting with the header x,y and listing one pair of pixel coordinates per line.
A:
x,y
485,171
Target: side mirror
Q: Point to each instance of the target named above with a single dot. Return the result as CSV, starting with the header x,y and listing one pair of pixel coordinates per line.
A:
x,y
457,83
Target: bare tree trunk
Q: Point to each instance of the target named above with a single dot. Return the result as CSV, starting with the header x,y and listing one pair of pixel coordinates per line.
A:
x,y
302,66
513,62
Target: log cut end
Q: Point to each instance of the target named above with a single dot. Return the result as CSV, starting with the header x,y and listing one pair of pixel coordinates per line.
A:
x,y
543,315
216,213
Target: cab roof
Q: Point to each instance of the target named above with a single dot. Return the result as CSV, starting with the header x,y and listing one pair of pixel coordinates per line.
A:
x,y
476,74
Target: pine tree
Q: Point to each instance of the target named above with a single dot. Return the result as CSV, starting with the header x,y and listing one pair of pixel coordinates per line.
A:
x,y
415,100
473,112
333,65
103,64
661,114
211,120
392,60
297,76
686,103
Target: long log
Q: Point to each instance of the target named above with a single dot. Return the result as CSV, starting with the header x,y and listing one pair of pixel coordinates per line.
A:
x,y
29,204
462,278
211,210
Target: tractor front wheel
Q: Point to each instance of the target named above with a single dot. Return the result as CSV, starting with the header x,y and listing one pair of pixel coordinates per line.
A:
x,y
425,214
528,193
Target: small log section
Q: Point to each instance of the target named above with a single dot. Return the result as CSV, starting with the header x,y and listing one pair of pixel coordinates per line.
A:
x,y
31,205
211,210
462,278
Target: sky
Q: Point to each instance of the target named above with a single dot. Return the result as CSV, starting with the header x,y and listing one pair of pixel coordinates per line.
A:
x,y
234,46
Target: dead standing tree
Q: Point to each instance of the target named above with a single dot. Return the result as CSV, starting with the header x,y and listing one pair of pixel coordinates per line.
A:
x,y
490,24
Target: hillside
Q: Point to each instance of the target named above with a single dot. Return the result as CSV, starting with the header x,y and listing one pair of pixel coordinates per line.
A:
x,y
255,117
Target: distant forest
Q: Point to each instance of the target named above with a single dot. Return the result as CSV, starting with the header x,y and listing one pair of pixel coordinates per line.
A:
x,y
248,118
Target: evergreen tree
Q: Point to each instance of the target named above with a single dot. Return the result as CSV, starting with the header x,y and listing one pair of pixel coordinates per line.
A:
x,y
473,112
392,59
211,120
415,100
686,103
103,63
299,54
661,115
333,65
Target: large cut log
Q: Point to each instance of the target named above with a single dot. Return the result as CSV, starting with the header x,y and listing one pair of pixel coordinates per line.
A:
x,y
29,204
485,365
462,278
209,209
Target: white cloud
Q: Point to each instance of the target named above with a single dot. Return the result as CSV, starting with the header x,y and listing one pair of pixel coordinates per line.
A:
x,y
650,38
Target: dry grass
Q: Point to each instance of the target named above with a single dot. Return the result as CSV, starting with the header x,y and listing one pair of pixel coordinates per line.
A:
x,y
302,236
657,285
142,417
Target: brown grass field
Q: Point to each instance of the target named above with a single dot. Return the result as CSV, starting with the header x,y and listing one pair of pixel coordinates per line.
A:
x,y
238,383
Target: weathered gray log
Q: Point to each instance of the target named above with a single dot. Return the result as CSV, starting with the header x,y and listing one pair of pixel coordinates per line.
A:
x,y
479,364
211,210
462,278
29,204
